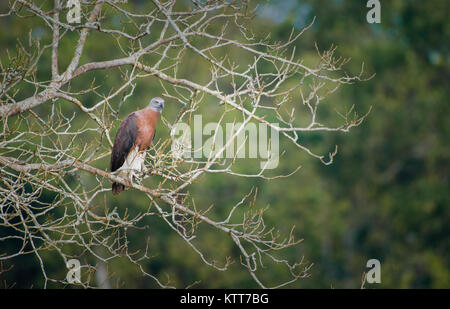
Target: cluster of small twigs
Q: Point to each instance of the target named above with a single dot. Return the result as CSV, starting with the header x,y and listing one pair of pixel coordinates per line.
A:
x,y
51,182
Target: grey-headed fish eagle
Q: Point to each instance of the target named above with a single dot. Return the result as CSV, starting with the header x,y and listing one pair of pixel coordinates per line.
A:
x,y
134,137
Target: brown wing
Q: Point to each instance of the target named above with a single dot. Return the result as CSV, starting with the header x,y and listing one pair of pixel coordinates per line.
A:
x,y
125,139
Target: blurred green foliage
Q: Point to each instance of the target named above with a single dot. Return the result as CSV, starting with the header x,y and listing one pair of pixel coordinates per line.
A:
x,y
385,197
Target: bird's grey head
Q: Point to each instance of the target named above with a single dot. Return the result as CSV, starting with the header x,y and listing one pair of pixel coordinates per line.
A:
x,y
157,104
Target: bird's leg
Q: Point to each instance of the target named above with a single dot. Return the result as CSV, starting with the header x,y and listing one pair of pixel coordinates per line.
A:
x,y
130,176
144,170
136,176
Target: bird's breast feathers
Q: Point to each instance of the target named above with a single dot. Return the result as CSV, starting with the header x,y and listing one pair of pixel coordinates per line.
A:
x,y
146,123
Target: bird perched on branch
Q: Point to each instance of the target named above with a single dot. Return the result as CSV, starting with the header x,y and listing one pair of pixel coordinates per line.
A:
x,y
134,137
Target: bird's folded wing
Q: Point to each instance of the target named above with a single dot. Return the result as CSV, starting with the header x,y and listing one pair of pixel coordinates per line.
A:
x,y
125,139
